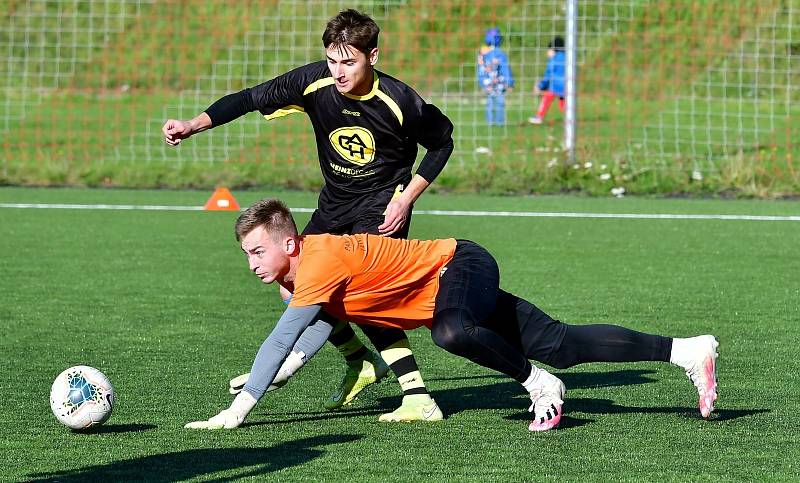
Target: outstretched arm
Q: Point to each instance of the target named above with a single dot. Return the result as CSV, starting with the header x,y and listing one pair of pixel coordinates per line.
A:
x,y
269,358
294,322
222,111
311,341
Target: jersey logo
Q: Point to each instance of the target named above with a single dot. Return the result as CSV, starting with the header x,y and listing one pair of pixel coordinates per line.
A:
x,y
355,144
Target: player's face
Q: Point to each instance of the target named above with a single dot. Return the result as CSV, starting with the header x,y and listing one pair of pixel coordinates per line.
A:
x,y
267,257
351,69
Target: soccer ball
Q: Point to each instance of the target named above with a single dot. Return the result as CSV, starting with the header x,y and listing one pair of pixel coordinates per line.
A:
x,y
81,397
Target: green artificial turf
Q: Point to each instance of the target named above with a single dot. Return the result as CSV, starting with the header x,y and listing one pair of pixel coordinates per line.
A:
x,y
163,303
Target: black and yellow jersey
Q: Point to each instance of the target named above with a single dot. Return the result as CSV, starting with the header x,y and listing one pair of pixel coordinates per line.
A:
x,y
365,143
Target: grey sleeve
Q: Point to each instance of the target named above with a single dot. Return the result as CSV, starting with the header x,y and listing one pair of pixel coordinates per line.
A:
x,y
276,347
315,336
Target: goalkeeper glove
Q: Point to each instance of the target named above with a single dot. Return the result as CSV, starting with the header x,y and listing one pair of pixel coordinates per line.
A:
x,y
228,418
293,362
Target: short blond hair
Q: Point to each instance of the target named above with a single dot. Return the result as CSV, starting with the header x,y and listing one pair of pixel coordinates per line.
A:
x,y
272,214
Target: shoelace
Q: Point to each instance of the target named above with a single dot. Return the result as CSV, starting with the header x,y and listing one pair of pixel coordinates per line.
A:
x,y
695,374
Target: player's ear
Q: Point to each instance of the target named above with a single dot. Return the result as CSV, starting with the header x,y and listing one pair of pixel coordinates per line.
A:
x,y
373,56
290,246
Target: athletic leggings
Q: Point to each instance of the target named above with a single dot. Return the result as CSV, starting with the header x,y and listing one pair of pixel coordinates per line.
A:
x,y
475,319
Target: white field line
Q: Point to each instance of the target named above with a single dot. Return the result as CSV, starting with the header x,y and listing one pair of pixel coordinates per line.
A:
x,y
60,206
520,214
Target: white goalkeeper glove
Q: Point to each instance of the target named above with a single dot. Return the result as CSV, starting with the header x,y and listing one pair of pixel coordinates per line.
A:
x,y
228,418
238,382
293,362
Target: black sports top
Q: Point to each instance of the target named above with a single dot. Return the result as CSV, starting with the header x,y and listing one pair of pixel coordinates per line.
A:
x,y
365,143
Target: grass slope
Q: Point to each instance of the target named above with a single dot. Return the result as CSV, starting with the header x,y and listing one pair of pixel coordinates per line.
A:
x,y
99,126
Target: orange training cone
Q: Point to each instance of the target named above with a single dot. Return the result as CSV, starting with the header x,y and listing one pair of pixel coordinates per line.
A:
x,y
222,200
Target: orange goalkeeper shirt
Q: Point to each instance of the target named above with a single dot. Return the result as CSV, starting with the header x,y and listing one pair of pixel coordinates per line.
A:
x,y
371,279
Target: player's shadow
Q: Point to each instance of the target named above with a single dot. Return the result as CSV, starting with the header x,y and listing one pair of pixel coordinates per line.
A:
x,y
606,406
117,428
498,395
383,405
506,394
203,463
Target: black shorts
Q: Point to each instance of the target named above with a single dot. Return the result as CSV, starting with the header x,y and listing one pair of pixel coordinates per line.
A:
x,y
365,215
472,282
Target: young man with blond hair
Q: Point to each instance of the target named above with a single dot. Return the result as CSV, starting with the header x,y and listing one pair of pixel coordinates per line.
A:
x,y
450,286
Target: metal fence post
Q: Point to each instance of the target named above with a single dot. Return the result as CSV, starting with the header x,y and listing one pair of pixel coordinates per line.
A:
x,y
571,47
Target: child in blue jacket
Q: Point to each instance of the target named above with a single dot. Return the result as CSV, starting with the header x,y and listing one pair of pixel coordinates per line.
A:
x,y
494,77
552,84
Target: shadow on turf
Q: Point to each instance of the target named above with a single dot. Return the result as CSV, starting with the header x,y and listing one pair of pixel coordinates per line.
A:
x,y
202,463
499,395
117,428
579,380
506,394
607,406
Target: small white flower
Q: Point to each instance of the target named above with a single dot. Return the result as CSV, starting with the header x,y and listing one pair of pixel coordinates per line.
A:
x,y
697,175
552,162
576,166
603,167
605,176
587,164
619,191
483,150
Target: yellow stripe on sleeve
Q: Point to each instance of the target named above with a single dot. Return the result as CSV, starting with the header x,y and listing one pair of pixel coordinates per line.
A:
x,y
284,111
317,85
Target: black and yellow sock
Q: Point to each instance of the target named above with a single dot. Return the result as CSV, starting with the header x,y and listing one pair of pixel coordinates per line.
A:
x,y
404,366
347,342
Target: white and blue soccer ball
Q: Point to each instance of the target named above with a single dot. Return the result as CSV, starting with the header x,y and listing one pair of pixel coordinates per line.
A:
x,y
82,397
